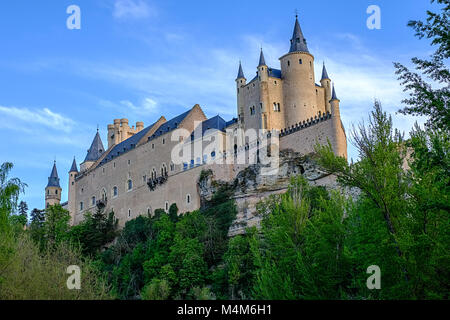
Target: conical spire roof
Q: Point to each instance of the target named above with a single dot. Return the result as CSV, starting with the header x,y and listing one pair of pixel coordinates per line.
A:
x,y
325,73
240,72
96,149
333,95
298,41
53,180
74,167
262,61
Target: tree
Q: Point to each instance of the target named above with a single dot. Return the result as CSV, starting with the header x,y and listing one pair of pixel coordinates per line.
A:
x,y
95,231
37,226
56,226
379,172
299,254
23,209
10,190
423,99
173,212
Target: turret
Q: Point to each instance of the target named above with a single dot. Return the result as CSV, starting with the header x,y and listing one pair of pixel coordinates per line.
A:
x,y
240,82
72,191
94,153
340,139
297,68
53,189
326,84
139,126
262,67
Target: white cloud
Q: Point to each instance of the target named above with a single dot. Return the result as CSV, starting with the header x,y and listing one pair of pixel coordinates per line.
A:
x,y
44,117
148,106
132,9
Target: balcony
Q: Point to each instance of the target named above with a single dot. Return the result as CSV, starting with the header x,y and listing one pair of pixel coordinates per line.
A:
x,y
101,203
154,183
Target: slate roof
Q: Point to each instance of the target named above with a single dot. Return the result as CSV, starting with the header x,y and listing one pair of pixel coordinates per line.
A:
x,y
53,180
74,167
333,96
324,73
240,72
274,73
262,61
131,142
232,121
298,41
96,150
214,123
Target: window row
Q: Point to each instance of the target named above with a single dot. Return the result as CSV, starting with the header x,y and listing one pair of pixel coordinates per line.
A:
x,y
198,162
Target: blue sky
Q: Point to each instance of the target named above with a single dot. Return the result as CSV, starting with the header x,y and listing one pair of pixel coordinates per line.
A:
x,y
140,59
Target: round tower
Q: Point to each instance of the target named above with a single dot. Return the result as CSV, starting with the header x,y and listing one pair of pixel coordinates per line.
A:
x,y
53,189
325,82
297,69
241,81
339,138
72,191
263,77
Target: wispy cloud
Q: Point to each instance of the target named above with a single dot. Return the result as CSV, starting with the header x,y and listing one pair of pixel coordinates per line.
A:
x,y
44,117
148,106
132,9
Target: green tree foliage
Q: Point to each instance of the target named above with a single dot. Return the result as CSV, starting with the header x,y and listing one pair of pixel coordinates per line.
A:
x,y
401,222
10,190
23,209
30,274
95,231
26,271
36,228
300,254
55,227
424,99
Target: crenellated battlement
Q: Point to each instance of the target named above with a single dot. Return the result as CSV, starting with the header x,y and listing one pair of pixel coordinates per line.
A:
x,y
305,124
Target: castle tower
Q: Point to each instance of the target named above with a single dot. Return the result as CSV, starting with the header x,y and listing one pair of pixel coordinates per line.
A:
x,y
297,68
94,153
241,81
53,189
263,76
72,191
326,84
340,140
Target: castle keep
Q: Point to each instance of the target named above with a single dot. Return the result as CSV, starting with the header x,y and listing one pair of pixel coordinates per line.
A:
x,y
146,168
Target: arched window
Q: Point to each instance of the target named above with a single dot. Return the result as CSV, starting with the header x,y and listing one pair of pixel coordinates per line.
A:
x,y
129,213
93,201
300,61
130,185
167,206
149,211
289,63
81,206
115,191
188,199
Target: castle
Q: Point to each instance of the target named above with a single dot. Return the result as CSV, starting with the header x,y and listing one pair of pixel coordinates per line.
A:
x,y
146,168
